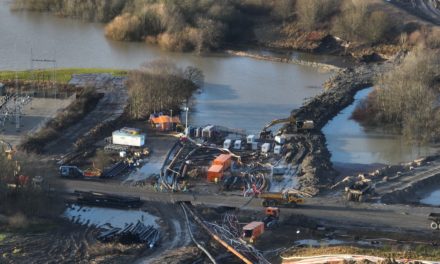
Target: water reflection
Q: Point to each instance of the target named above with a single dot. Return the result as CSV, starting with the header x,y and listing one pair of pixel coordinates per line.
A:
x,y
349,142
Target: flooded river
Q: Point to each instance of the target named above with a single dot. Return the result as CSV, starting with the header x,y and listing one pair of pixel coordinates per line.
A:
x,y
239,92
351,143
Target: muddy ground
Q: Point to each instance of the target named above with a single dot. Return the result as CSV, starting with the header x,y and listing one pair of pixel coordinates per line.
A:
x,y
308,149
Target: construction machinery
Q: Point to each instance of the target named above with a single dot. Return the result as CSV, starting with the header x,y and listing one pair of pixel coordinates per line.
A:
x,y
272,217
359,190
435,220
286,199
297,125
70,172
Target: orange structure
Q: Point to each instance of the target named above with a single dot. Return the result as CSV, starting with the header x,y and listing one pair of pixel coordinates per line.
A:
x,y
223,159
253,230
215,173
164,122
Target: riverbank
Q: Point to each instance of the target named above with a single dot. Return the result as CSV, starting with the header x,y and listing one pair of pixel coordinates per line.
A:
x,y
253,55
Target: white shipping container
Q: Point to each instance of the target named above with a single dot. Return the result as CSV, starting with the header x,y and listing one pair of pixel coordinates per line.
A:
x,y
227,144
265,148
207,131
280,139
121,138
251,139
237,144
254,145
277,149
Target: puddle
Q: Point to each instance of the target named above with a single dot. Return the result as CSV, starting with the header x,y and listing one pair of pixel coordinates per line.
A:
x,y
108,217
432,199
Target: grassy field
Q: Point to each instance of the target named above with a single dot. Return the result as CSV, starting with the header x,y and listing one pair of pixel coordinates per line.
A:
x,y
62,75
421,252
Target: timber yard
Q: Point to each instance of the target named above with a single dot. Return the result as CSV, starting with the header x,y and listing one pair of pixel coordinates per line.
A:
x,y
94,174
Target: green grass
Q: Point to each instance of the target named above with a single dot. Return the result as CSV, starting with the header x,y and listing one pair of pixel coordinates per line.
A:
x,y
2,237
62,75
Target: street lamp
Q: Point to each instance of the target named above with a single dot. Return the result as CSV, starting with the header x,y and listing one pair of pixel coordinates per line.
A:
x,y
186,109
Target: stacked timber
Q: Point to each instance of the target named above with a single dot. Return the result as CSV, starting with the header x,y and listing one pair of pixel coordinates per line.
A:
x,y
133,233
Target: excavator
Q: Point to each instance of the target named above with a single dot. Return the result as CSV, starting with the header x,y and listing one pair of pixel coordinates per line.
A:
x,y
297,125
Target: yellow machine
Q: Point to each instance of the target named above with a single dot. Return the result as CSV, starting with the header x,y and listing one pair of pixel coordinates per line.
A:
x,y
287,199
296,125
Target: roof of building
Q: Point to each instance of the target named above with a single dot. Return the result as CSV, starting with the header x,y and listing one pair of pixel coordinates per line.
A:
x,y
252,225
164,119
215,168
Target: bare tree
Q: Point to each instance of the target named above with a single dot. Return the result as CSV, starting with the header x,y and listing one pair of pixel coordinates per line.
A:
x,y
161,85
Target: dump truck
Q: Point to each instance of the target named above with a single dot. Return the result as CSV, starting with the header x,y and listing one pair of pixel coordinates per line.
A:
x,y
435,220
287,199
359,190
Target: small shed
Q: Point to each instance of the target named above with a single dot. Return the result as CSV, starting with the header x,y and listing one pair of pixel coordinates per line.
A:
x,y
215,173
164,122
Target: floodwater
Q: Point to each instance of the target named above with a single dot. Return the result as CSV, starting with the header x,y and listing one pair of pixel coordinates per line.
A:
x,y
351,143
239,92
432,199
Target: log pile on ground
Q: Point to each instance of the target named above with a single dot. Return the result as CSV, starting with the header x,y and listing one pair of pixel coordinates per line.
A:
x,y
132,233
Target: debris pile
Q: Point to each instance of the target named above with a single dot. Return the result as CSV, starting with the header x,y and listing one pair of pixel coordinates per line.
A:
x,y
132,233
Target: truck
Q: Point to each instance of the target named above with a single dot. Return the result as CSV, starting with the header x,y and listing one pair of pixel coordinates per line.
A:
x,y
286,199
359,190
71,172
435,220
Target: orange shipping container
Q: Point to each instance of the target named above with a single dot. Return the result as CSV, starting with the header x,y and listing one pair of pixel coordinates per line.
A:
x,y
253,230
223,159
215,172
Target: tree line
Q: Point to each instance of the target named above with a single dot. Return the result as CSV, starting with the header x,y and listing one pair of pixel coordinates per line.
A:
x,y
200,25
161,86
406,98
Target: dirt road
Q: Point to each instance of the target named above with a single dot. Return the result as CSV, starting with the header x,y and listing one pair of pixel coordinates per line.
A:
x,y
331,211
109,108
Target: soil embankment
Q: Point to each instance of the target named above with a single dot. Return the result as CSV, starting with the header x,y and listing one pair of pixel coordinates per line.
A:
x,y
309,150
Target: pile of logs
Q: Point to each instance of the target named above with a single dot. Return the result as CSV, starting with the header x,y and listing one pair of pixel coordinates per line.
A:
x,y
132,233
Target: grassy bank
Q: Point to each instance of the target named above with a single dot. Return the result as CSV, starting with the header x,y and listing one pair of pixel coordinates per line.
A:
x,y
62,75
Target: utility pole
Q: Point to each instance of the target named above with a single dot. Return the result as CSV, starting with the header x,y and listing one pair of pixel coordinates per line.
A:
x,y
186,119
171,119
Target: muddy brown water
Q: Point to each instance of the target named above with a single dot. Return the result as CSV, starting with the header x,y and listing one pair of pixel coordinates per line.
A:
x,y
239,92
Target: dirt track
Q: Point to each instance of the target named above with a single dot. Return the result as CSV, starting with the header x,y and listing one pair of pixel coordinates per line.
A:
x,y
332,211
109,108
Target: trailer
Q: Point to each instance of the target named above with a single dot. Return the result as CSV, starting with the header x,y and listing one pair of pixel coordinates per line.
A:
x,y
435,220
128,137
253,230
